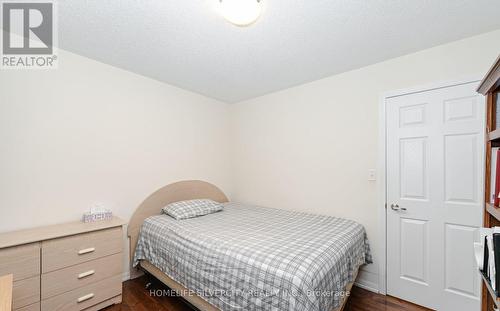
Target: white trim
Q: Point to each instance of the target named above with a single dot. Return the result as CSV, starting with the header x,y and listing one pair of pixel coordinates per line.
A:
x,y
367,280
381,197
432,86
367,287
381,164
126,275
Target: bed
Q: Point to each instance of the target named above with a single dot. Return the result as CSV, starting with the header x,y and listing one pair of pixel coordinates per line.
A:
x,y
247,257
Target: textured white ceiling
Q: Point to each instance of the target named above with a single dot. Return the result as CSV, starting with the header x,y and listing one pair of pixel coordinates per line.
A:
x,y
185,43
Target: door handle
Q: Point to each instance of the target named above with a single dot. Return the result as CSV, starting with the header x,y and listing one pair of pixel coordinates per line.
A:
x,y
396,208
85,298
86,274
86,251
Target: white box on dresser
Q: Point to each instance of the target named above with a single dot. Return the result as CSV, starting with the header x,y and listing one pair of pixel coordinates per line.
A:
x,y
68,267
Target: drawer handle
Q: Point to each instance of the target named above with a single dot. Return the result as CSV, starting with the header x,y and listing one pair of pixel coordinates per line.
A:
x,y
84,298
85,274
86,251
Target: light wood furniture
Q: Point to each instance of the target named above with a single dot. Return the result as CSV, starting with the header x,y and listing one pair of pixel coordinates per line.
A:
x,y
490,87
179,191
6,292
67,267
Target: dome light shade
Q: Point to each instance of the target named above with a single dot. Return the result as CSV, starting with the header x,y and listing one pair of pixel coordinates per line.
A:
x,y
240,12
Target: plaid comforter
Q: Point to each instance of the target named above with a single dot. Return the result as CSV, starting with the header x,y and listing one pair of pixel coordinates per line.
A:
x,y
256,258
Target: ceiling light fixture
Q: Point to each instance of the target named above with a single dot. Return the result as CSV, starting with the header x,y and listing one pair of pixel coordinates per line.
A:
x,y
240,12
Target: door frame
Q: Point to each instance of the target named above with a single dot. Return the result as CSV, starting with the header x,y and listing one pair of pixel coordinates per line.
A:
x,y
381,183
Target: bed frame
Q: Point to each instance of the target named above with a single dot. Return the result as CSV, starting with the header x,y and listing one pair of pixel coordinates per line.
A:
x,y
179,191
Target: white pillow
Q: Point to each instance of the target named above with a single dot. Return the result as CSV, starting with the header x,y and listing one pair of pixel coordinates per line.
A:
x,y
192,208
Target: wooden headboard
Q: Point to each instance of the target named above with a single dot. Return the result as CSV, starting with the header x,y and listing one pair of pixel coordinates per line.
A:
x,y
179,191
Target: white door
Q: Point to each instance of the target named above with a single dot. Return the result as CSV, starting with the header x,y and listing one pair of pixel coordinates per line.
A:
x,y
435,161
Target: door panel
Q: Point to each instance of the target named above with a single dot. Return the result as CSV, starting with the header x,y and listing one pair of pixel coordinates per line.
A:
x,y
413,168
415,250
412,115
459,277
460,109
435,161
461,172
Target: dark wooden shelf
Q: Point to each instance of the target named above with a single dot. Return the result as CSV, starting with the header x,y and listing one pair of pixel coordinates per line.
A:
x,y
493,211
493,295
494,135
492,79
490,87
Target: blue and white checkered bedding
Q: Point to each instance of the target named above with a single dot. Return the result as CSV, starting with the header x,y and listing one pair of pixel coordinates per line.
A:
x,y
256,258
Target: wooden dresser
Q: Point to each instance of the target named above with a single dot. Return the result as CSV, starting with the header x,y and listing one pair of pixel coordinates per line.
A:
x,y
67,267
6,292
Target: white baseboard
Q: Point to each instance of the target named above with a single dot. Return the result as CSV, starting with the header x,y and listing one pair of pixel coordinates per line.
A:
x,y
367,287
367,280
126,276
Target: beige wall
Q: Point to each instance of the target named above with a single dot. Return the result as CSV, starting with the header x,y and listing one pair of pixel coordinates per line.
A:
x,y
89,133
310,147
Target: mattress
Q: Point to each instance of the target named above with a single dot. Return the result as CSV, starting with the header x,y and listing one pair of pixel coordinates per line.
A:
x,y
256,258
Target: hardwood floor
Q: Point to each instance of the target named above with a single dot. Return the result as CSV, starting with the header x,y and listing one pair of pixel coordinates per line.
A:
x,y
137,298
363,300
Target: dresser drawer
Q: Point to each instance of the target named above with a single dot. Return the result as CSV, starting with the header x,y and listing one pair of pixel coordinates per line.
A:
x,y
25,292
68,251
106,303
33,307
85,297
60,281
21,261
